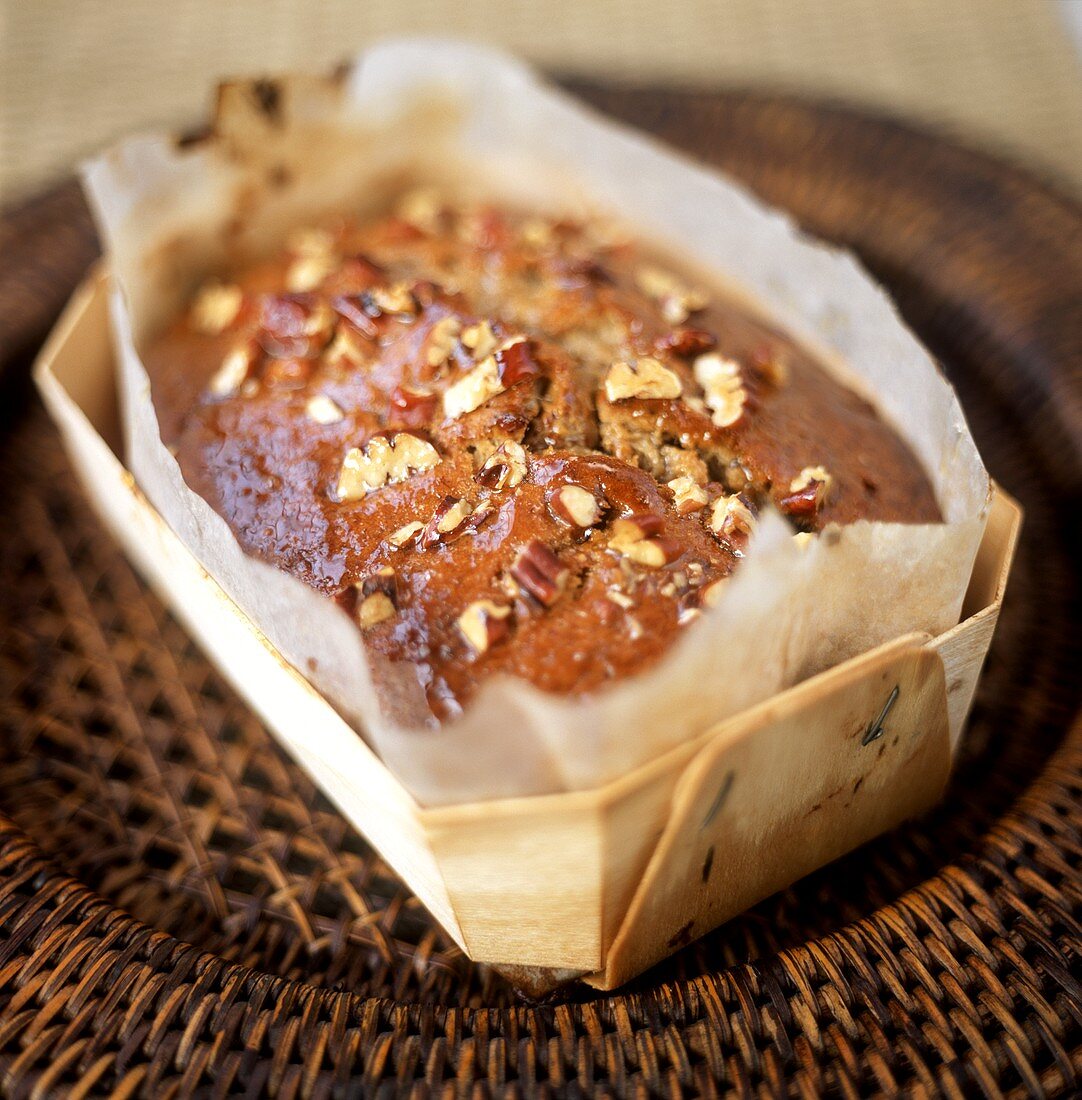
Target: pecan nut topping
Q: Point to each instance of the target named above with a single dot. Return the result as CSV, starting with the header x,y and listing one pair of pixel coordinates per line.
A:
x,y
504,468
216,307
448,521
575,506
384,461
647,378
808,492
538,571
483,624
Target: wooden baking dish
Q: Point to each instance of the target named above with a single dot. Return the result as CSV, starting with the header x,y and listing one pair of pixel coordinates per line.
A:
x,y
596,884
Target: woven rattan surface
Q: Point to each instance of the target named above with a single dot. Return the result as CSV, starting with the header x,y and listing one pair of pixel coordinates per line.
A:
x,y
181,913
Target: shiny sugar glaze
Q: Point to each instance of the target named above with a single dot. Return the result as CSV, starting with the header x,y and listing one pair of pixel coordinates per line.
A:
x,y
504,443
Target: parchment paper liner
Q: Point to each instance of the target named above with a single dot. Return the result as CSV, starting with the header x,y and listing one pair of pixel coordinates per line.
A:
x,y
598,883
285,152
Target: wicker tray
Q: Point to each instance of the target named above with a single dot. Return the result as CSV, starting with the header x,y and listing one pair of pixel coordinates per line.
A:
x,y
181,913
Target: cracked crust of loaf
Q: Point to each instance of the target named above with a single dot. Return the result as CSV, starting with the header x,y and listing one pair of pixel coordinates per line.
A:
x,y
507,443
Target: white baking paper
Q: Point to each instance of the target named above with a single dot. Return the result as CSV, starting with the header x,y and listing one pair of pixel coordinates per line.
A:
x,y
476,121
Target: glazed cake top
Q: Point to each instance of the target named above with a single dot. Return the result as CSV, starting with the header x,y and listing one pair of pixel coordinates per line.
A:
x,y
508,443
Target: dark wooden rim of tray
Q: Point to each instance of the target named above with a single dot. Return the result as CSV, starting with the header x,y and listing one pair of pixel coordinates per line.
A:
x,y
941,959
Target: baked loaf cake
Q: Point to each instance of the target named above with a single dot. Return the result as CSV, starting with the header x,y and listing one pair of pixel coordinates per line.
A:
x,y
506,443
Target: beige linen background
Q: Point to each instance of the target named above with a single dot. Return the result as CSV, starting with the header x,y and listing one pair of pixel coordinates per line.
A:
x,y
1001,73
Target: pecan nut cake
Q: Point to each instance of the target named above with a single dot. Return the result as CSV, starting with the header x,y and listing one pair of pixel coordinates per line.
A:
x,y
506,443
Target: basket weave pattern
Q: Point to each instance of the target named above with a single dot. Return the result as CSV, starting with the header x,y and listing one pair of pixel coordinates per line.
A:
x,y
182,913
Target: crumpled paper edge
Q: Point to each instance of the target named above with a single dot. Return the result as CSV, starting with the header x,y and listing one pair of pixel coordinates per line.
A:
x,y
444,110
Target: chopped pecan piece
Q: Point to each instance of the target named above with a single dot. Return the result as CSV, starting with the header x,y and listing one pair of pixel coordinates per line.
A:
x,y
687,611
473,389
322,409
688,495
441,340
732,518
514,362
405,534
810,475
483,624
504,468
484,511
216,307
801,505
384,461
807,493
575,506
639,525
723,387
374,610
371,600
643,378
231,375
711,595
638,539
539,572
396,300
480,339
377,598
447,522
511,362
